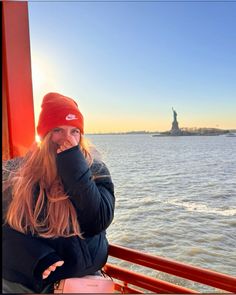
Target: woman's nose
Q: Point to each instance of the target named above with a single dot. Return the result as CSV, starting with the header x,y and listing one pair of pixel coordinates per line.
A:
x,y
67,134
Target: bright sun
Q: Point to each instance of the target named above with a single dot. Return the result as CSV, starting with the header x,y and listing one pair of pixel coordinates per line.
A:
x,y
43,80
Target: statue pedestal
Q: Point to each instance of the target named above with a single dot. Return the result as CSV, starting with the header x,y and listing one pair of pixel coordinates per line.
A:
x,y
175,128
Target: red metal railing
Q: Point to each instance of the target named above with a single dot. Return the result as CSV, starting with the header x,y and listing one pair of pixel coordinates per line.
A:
x,y
196,274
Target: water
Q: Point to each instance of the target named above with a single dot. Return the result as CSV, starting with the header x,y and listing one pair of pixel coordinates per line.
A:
x,y
175,196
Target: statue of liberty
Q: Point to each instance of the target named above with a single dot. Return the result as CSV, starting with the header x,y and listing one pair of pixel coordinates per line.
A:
x,y
174,114
175,125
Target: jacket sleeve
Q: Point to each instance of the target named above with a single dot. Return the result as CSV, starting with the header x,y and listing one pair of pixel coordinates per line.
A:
x,y
92,196
25,257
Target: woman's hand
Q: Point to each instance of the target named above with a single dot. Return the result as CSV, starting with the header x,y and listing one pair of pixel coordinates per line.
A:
x,y
67,144
51,268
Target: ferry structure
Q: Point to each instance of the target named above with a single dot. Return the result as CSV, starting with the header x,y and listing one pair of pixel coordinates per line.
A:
x,y
18,134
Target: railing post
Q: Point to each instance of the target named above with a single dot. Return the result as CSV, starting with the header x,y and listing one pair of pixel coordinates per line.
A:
x,y
17,104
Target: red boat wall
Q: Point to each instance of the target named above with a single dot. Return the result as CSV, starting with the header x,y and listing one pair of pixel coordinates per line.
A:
x,y
18,129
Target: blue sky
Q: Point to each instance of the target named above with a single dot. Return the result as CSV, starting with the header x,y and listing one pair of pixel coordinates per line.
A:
x,y
128,63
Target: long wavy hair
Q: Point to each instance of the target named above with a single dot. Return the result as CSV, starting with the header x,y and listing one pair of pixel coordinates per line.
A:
x,y
50,213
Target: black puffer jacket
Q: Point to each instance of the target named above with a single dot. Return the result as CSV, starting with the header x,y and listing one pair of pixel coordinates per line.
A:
x,y
25,257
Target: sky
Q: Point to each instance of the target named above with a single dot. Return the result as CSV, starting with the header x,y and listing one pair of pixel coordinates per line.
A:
x,y
128,63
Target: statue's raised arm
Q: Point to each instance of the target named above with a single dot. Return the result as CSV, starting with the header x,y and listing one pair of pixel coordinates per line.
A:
x,y
174,114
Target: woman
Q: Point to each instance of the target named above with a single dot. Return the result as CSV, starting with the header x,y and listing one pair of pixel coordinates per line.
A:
x,y
58,203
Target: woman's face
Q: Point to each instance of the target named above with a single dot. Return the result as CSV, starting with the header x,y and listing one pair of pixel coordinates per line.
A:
x,y
63,134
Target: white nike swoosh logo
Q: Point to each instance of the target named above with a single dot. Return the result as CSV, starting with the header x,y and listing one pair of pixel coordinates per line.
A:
x,y
71,117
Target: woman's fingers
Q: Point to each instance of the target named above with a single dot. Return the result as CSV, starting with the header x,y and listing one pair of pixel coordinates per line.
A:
x,y
59,263
72,140
67,145
51,268
59,150
46,273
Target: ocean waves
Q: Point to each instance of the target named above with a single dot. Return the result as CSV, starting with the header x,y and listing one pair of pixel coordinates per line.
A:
x,y
175,197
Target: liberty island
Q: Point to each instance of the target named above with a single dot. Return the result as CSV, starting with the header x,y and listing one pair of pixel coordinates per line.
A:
x,y
176,131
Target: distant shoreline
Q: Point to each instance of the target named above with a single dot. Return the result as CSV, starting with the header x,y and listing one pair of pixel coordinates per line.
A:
x,y
186,132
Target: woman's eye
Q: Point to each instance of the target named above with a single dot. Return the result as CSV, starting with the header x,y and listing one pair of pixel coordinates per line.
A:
x,y
56,130
75,131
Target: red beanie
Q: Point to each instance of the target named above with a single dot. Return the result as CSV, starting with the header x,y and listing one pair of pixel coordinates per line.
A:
x,y
56,110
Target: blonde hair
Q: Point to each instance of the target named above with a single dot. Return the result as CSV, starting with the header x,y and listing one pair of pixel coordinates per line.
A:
x,y
49,214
